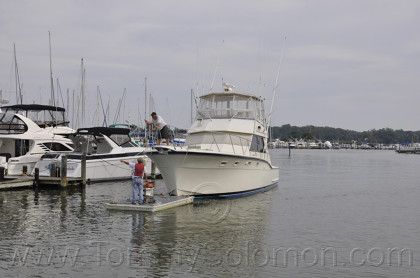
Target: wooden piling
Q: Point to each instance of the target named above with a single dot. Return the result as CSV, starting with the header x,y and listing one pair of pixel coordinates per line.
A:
x,y
1,173
53,170
36,180
63,171
83,170
24,170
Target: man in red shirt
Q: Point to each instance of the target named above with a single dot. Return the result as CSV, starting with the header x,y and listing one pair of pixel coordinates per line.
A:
x,y
139,171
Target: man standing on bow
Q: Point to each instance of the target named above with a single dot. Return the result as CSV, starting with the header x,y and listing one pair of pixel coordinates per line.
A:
x,y
161,126
139,171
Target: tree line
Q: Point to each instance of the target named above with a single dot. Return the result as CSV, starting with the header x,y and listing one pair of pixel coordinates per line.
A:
x,y
377,136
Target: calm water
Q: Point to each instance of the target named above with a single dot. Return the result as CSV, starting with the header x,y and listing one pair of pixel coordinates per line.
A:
x,y
335,213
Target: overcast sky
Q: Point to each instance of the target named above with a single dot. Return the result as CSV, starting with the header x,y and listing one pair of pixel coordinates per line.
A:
x,y
350,64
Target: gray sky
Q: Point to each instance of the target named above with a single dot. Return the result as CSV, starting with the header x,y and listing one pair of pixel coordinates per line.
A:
x,y
350,64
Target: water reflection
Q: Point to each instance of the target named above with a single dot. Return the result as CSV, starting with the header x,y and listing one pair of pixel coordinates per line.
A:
x,y
138,231
213,236
186,239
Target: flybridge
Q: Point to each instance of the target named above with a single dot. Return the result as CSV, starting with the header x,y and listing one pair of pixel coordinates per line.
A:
x,y
231,105
42,115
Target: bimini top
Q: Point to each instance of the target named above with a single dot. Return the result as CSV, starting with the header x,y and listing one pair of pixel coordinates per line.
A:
x,y
34,107
42,115
108,131
230,104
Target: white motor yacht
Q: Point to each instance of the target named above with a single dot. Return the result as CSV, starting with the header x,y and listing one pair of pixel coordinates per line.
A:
x,y
104,147
23,142
225,153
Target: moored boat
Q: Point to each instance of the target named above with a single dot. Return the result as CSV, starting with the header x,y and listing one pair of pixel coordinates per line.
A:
x,y
225,152
104,147
29,131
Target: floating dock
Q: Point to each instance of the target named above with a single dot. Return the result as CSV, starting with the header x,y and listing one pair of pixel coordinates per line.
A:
x,y
16,182
160,204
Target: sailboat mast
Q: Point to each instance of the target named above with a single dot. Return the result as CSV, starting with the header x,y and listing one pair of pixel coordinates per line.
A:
x,y
97,105
192,105
82,94
145,108
17,79
51,78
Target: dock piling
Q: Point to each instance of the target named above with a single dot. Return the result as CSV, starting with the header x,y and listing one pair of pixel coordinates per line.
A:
x,y
83,170
1,173
53,170
63,171
36,180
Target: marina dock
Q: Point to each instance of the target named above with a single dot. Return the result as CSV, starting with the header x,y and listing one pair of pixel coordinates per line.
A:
x,y
16,182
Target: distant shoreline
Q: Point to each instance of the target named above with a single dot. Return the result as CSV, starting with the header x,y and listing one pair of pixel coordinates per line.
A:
x,y
374,136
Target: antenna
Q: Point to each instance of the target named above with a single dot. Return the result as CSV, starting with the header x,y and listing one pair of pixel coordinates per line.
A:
x,y
277,83
217,66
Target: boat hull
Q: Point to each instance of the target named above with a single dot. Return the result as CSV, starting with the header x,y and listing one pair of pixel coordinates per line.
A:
x,y
97,169
16,164
213,174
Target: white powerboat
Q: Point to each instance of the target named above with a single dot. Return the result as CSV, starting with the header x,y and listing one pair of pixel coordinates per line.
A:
x,y
104,147
225,152
23,141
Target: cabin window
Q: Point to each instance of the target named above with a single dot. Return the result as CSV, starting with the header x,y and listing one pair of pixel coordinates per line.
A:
x,y
216,139
57,147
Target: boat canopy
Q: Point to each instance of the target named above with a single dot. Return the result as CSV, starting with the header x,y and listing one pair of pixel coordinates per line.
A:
x,y
231,105
42,115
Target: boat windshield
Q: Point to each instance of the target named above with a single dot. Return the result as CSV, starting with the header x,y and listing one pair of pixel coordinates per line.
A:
x,y
222,105
123,140
90,144
10,124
